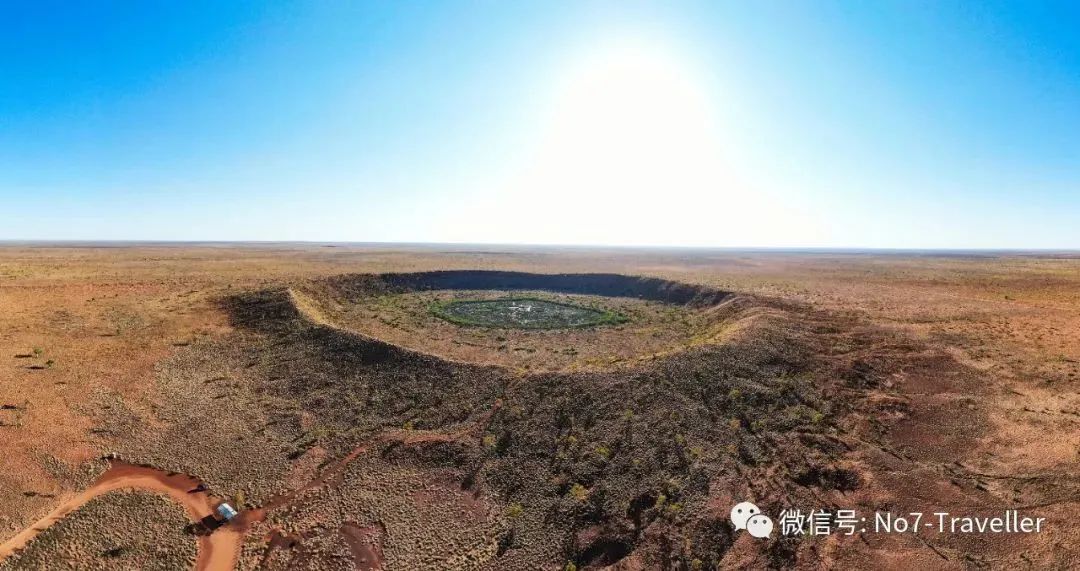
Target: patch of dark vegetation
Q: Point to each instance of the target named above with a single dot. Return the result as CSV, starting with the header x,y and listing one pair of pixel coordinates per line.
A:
x,y
642,447
604,463
862,375
611,285
604,545
353,384
268,310
713,537
829,478
782,553
523,313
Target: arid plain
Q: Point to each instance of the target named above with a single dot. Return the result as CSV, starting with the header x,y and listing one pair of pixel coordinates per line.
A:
x,y
311,387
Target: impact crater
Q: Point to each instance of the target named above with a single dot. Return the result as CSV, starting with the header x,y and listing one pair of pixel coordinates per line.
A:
x,y
524,321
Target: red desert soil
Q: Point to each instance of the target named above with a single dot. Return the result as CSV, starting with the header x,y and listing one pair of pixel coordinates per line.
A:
x,y
76,322
216,551
364,544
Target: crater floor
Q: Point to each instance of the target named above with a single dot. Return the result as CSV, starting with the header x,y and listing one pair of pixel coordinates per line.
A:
x,y
523,313
485,321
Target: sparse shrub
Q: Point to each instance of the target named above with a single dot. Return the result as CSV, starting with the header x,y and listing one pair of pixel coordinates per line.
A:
x,y
38,351
675,399
49,363
117,530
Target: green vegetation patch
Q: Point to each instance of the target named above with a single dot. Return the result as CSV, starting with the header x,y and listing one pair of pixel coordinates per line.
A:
x,y
523,313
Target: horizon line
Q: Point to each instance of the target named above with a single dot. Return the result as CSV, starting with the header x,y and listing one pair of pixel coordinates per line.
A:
x,y
809,249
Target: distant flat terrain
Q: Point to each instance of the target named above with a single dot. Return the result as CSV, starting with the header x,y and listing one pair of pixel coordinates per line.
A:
x,y
367,432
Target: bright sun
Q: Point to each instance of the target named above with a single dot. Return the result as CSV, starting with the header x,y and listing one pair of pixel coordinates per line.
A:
x,y
630,132
629,149
634,114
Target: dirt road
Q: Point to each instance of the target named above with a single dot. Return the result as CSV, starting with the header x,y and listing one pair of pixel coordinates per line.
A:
x,y
217,551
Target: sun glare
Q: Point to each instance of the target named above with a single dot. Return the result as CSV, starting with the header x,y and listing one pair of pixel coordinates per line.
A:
x,y
631,132
631,111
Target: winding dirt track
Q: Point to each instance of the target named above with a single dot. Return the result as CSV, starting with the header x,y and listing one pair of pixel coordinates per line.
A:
x,y
217,551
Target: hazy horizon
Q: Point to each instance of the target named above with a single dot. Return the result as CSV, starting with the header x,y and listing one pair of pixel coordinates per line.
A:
x,y
509,246
832,125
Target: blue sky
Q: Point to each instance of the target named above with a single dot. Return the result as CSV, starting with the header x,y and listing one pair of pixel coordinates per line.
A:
x,y
774,124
